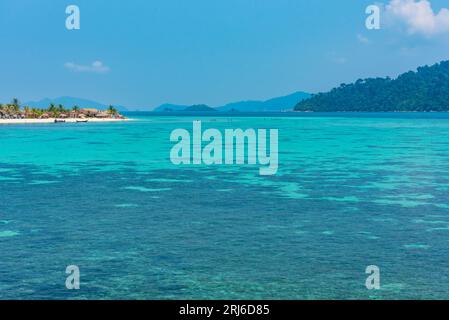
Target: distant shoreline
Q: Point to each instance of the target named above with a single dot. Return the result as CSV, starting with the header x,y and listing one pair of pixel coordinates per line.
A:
x,y
292,115
180,113
52,120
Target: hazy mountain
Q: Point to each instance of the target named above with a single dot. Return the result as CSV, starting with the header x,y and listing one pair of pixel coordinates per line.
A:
x,y
199,108
285,103
427,89
167,107
69,102
276,104
180,108
249,106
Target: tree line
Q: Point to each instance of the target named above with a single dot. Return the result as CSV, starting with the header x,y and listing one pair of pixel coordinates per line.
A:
x,y
425,90
14,110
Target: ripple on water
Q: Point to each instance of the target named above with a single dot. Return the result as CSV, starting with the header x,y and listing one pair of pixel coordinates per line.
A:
x,y
170,180
402,203
42,182
417,246
8,234
420,196
292,191
144,189
342,199
368,235
438,229
126,205
394,287
6,179
422,221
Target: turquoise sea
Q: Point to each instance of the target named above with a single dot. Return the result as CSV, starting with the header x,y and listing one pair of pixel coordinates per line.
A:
x,y
352,190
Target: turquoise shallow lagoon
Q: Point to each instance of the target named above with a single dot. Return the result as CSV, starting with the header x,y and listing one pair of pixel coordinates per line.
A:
x,y
351,191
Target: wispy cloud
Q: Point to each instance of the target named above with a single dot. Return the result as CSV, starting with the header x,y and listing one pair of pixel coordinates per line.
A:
x,y
363,39
336,58
339,60
419,16
94,67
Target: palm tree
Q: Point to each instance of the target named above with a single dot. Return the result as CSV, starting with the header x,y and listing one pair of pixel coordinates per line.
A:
x,y
53,110
15,102
112,111
2,110
26,110
36,113
76,110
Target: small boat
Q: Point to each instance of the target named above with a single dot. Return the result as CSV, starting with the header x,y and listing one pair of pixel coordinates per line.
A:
x,y
80,121
59,121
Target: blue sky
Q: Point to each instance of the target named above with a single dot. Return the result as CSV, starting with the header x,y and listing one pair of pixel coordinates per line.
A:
x,y
149,52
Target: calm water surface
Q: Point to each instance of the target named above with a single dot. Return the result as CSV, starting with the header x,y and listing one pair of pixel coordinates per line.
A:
x,y
350,192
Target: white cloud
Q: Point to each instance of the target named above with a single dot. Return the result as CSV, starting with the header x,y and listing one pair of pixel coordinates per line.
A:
x,y
94,67
419,16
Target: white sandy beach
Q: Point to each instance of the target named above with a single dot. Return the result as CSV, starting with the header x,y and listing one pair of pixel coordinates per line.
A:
x,y
52,120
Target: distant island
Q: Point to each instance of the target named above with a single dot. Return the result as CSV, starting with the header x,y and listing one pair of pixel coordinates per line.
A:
x,y
167,107
426,90
284,103
199,108
279,104
15,113
179,108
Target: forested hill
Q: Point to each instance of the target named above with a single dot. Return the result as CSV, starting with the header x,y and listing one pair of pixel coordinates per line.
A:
x,y
424,90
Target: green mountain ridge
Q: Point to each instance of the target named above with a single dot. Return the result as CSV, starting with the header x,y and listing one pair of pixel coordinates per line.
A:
x,y
425,90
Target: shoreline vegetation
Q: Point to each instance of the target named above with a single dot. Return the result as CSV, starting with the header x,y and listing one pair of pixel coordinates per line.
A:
x,y
14,113
423,90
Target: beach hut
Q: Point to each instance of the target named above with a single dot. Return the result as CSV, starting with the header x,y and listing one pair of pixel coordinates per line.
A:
x,y
103,114
73,114
89,112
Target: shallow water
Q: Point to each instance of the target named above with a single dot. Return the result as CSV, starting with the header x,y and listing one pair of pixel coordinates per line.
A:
x,y
350,192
